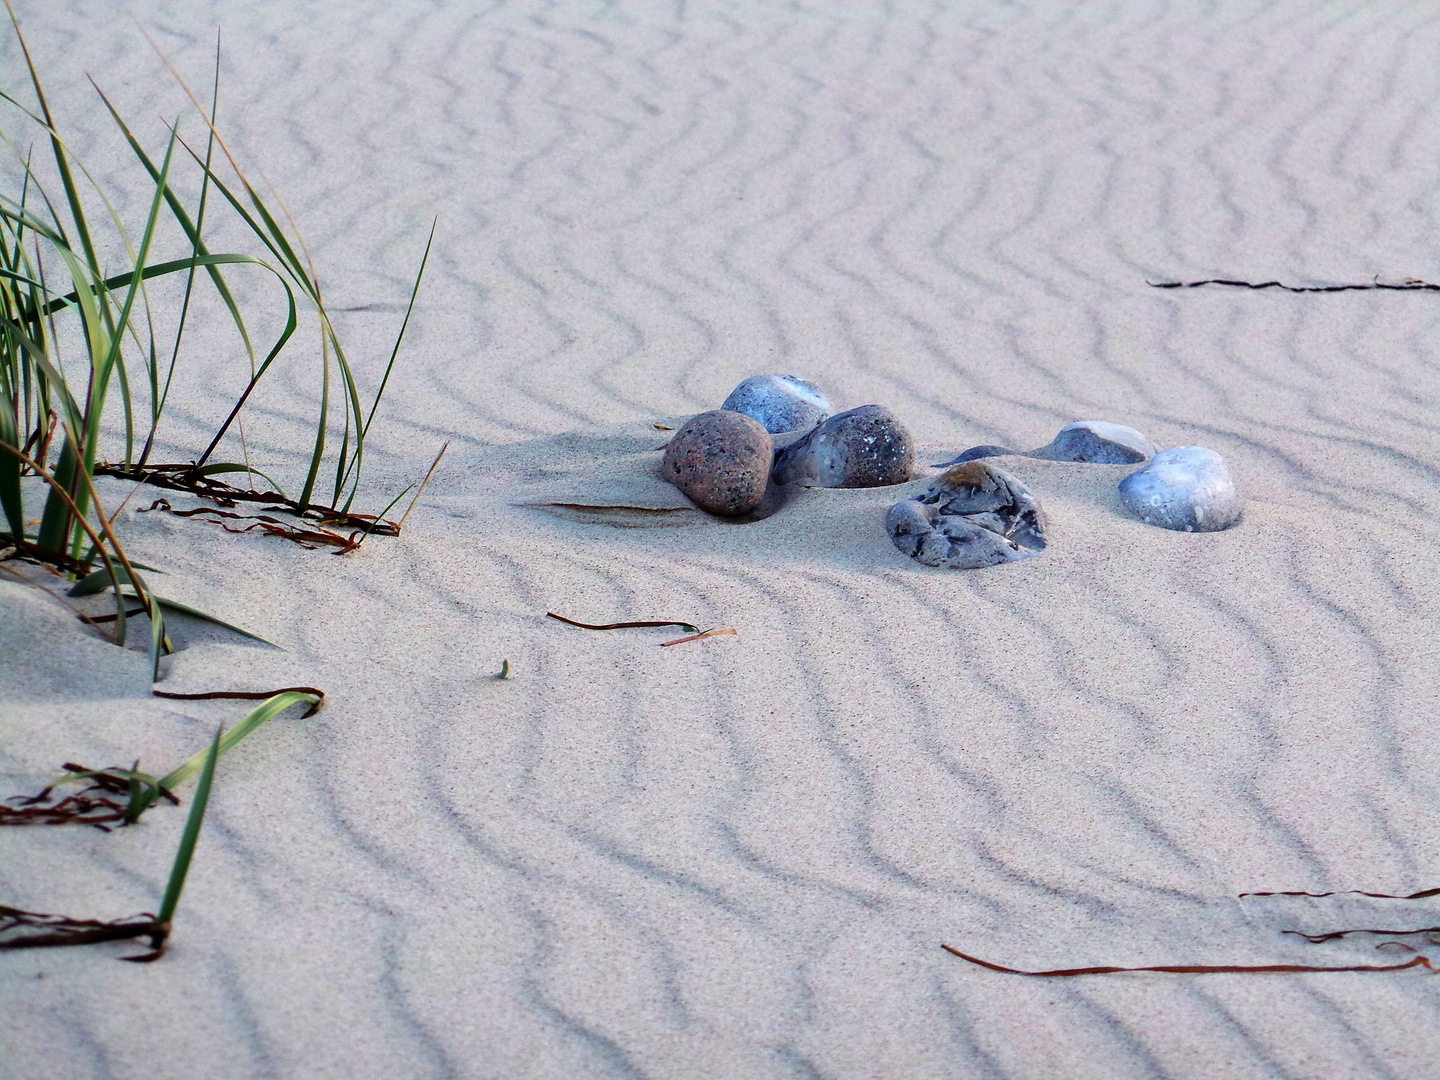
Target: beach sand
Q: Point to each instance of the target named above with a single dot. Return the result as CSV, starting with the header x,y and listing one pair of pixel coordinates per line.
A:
x,y
739,857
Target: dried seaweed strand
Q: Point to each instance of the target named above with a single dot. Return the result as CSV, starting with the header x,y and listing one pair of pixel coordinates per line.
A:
x,y
1334,935
80,807
1423,894
77,809
619,625
183,478
33,930
309,538
250,695
1408,285
696,637
1193,969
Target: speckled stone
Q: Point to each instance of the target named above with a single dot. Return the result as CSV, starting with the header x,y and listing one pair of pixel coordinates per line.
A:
x,y
975,515
780,402
865,447
721,461
1097,442
1186,488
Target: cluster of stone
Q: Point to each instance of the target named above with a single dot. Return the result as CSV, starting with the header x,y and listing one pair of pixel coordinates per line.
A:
x,y
723,460
978,515
779,429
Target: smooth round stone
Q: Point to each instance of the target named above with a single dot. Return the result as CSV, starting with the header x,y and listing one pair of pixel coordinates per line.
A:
x,y
1097,442
975,515
865,447
779,402
1186,488
721,461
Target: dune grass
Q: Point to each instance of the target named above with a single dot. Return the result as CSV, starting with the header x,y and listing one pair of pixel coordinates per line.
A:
x,y
34,930
86,371
53,288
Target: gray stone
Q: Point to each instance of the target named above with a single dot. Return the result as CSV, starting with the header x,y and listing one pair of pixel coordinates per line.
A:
x,y
1099,443
721,461
1186,488
975,515
779,402
1096,442
865,447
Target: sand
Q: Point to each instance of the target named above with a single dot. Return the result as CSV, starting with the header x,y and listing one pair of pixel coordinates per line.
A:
x,y
739,857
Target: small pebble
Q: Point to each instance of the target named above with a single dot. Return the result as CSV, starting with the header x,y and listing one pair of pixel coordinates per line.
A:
x,y
721,461
780,402
865,447
1097,442
975,515
1186,488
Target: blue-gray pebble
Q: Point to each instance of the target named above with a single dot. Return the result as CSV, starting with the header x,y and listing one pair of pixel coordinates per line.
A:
x,y
865,447
779,402
1096,442
975,515
1186,488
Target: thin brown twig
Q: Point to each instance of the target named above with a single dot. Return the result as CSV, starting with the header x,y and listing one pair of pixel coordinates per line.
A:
x,y
1423,894
433,466
250,695
696,637
50,930
307,538
618,625
1335,935
1192,969
1406,285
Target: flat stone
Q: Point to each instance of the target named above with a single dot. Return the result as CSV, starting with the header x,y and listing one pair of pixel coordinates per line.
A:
x,y
1096,442
865,447
780,402
1186,488
720,460
975,515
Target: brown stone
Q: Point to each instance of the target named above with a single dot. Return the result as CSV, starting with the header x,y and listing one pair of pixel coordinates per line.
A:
x,y
721,461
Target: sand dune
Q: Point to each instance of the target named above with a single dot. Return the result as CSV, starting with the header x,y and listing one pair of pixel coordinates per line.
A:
x,y
739,857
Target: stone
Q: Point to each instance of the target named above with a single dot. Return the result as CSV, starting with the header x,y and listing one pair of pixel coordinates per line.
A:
x,y
975,453
720,461
865,447
975,515
1096,442
1186,488
780,402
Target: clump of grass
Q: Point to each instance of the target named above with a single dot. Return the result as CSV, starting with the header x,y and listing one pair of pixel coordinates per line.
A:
x,y
32,930
142,790
59,427
53,288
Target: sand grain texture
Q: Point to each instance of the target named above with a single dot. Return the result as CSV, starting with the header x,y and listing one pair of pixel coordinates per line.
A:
x,y
738,857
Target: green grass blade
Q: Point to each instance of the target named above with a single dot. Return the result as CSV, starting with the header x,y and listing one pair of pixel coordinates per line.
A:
x,y
159,641
186,609
157,270
234,467
99,581
358,460
11,499
256,719
186,851
182,217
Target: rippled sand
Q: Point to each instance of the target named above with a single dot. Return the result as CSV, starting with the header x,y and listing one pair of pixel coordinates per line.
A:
x,y
739,857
